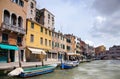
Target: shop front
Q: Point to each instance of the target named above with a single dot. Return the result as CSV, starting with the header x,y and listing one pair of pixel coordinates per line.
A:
x,y
7,53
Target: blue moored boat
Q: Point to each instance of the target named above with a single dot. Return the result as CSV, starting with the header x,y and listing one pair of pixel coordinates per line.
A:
x,y
69,64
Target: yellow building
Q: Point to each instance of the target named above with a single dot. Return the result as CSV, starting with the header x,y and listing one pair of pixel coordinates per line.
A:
x,y
38,38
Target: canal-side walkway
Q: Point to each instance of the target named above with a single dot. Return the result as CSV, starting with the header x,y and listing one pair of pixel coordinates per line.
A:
x,y
12,65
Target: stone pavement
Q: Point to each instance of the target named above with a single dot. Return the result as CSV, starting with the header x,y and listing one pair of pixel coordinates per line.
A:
x,y
11,65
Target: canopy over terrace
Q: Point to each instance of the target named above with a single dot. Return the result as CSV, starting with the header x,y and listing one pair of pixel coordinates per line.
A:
x,y
37,51
73,56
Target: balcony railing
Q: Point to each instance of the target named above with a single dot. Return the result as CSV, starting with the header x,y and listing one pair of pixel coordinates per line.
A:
x,y
13,28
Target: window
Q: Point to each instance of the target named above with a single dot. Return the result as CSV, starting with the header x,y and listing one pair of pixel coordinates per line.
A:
x,y
19,39
41,29
31,38
49,33
32,5
55,44
63,46
48,21
20,21
50,43
41,41
48,16
61,37
45,31
21,3
52,18
6,16
4,37
68,48
58,44
46,42
32,25
16,1
52,34
13,19
31,12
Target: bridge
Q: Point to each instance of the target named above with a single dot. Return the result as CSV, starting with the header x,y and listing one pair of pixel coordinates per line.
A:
x,y
109,56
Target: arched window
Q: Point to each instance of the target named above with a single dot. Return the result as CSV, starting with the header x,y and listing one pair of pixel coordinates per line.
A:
x,y
6,16
13,19
31,5
20,21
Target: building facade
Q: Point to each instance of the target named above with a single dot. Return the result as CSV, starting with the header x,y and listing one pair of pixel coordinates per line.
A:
x,y
70,43
58,44
38,38
31,9
45,18
12,29
99,50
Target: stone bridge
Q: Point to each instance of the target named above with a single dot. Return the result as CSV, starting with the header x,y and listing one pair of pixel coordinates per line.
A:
x,y
109,56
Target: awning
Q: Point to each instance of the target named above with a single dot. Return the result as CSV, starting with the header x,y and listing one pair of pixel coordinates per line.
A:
x,y
8,47
37,51
71,53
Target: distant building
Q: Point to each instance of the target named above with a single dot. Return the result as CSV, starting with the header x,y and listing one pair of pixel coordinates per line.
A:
x,y
45,18
114,51
31,9
78,47
70,43
13,15
100,49
58,44
83,47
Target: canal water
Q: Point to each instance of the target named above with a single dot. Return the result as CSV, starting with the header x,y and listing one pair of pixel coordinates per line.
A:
x,y
101,69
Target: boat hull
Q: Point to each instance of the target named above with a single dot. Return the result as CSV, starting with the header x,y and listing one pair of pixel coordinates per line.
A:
x,y
69,64
65,66
29,72
35,73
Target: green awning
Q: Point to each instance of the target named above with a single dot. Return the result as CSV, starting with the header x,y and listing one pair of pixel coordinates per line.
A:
x,y
8,47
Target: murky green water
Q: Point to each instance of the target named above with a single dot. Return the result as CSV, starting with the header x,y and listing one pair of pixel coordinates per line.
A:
x,y
103,69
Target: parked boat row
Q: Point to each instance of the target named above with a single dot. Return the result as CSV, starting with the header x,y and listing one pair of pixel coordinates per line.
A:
x,y
32,71
39,70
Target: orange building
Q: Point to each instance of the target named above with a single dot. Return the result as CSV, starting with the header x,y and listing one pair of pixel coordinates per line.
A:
x,y
100,49
12,29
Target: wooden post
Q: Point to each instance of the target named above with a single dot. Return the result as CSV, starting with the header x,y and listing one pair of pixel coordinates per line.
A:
x,y
9,56
19,53
42,59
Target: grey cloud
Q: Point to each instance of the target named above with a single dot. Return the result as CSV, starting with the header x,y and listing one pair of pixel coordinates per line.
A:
x,y
110,9
106,7
111,27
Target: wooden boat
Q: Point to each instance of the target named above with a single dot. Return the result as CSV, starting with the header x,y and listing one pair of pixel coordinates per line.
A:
x,y
69,64
33,71
28,72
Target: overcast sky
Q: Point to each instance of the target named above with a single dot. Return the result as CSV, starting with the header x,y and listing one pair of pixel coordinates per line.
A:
x,y
95,21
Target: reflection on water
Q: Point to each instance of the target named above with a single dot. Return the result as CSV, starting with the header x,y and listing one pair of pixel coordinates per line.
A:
x,y
103,69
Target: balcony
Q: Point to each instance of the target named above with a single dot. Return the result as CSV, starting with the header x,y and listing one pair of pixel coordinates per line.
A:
x,y
13,28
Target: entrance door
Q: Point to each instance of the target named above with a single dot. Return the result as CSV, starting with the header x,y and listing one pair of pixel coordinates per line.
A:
x,y
12,55
22,54
3,55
